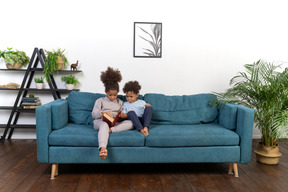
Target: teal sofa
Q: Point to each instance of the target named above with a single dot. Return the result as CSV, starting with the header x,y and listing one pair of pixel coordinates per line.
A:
x,y
184,129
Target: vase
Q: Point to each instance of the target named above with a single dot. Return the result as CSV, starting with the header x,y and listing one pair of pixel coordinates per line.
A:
x,y
39,85
60,63
69,86
267,155
16,65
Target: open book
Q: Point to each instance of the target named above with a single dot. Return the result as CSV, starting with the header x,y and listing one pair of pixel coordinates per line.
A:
x,y
108,118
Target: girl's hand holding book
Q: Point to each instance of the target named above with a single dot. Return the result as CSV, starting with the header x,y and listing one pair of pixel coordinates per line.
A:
x,y
123,115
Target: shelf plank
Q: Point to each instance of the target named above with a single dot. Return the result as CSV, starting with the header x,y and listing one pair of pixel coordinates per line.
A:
x,y
24,126
6,107
41,70
40,90
18,109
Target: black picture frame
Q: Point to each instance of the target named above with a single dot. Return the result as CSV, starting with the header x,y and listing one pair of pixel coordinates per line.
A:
x,y
147,40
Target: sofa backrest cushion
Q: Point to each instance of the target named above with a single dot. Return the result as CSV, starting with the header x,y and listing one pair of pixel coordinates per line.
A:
x,y
80,105
228,116
178,110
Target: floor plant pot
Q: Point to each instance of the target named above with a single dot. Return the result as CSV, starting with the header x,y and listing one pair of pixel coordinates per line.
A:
x,y
69,86
15,66
39,85
267,155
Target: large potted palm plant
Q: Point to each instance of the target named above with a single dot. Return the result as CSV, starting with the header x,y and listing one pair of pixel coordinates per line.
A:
x,y
263,88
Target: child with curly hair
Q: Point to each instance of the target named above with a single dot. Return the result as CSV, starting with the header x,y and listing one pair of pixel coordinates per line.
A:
x,y
109,103
138,111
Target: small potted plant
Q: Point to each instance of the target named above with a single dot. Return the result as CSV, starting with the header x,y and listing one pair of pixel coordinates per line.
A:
x,y
14,59
39,82
70,81
54,61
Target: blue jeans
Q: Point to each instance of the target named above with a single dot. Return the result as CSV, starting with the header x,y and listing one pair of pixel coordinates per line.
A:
x,y
140,122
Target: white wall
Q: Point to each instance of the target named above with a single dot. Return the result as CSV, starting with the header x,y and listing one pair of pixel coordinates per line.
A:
x,y
205,43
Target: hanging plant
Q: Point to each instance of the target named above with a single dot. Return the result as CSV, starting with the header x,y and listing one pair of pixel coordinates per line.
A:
x,y
54,62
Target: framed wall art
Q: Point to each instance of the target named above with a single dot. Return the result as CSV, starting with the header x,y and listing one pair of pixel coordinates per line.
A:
x,y
147,40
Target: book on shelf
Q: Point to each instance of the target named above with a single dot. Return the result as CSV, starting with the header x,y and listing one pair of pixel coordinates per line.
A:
x,y
37,100
31,103
109,119
29,99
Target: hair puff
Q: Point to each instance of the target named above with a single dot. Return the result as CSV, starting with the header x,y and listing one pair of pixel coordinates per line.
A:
x,y
132,86
111,76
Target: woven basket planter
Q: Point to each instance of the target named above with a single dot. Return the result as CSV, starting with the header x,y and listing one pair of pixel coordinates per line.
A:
x,y
267,155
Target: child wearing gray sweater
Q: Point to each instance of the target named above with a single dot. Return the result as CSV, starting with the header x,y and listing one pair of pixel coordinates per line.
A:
x,y
109,103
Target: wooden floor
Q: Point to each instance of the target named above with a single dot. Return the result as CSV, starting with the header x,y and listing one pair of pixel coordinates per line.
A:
x,y
21,172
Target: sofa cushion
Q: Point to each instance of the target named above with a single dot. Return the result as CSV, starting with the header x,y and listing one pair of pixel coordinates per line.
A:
x,y
191,135
181,110
86,136
228,115
80,105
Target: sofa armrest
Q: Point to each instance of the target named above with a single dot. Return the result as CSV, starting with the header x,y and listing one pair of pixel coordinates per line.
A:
x,y
46,121
245,122
240,119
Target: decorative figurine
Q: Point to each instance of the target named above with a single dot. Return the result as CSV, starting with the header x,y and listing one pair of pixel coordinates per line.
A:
x,y
74,66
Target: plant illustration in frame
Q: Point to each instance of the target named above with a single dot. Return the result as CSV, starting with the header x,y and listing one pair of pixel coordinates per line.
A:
x,y
147,39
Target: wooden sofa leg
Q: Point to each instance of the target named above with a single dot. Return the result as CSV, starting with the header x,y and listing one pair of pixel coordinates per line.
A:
x,y
230,172
233,167
54,171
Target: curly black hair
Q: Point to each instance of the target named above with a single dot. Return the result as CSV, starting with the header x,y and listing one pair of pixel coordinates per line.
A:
x,y
132,86
110,78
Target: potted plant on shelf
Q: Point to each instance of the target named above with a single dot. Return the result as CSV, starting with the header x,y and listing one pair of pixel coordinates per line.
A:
x,y
39,82
14,59
70,81
54,62
265,90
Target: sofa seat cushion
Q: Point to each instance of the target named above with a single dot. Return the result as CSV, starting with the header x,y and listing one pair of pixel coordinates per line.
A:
x,y
86,136
191,135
